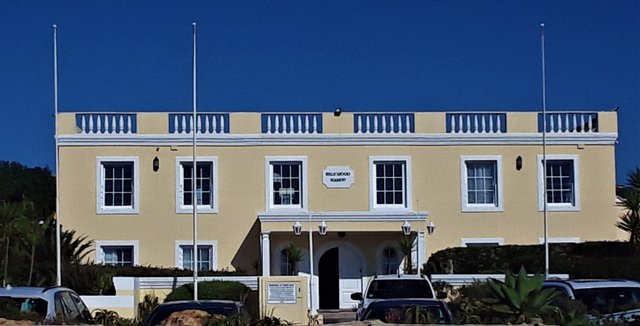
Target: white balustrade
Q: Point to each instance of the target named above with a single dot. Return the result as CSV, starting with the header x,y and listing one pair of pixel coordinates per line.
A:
x,y
476,123
297,123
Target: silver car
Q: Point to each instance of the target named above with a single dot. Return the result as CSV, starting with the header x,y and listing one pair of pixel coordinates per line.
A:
x,y
50,304
618,300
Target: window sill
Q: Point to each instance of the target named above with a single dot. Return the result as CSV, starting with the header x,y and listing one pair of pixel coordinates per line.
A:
x,y
201,210
115,211
554,208
482,209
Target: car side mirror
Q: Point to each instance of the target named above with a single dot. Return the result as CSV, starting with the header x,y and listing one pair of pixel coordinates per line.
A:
x,y
441,295
356,296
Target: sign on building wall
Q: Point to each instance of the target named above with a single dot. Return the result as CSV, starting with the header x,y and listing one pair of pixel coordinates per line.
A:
x,y
337,177
281,292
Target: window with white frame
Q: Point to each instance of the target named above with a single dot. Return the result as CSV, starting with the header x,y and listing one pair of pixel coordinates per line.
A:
x,y
286,183
205,192
117,252
206,255
117,185
390,182
481,183
390,260
286,264
562,190
481,242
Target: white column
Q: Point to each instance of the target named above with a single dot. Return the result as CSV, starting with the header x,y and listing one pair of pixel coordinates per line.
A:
x,y
422,249
265,246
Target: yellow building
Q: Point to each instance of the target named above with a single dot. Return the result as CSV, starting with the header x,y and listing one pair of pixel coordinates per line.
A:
x,y
126,182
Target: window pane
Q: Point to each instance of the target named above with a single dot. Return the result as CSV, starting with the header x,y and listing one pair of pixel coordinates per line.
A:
x,y
118,183
287,181
118,255
560,182
390,181
481,182
204,184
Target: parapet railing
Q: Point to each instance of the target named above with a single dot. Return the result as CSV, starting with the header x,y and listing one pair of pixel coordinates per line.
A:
x,y
383,123
569,122
476,122
206,123
291,123
107,123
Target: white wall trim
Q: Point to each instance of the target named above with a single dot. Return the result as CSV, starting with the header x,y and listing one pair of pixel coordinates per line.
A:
x,y
100,208
214,251
304,203
187,209
600,138
560,240
464,200
465,241
372,183
349,216
117,243
553,207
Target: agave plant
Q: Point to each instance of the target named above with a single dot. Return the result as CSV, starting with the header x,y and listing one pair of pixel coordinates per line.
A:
x,y
521,297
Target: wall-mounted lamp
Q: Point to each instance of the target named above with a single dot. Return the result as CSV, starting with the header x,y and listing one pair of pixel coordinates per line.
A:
x,y
431,228
322,228
156,164
406,228
337,112
519,163
297,228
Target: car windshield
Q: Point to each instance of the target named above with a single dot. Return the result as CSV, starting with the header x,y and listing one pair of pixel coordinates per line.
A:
x,y
609,300
394,289
407,314
16,308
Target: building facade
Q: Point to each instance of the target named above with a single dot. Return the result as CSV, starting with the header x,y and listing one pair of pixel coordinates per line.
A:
x,y
126,182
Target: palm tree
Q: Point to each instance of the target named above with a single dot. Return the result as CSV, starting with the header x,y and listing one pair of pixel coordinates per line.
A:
x,y
630,220
9,214
406,247
75,249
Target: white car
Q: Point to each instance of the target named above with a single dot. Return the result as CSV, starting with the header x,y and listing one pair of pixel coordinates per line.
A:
x,y
51,304
611,299
400,286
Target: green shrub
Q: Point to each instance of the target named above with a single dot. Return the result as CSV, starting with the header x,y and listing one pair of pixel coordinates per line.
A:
x,y
580,260
211,290
521,297
146,306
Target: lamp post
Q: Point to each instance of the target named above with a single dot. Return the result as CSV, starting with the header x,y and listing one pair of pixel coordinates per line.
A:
x,y
322,230
406,230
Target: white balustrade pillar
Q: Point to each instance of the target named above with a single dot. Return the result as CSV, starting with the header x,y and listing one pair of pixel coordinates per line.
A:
x,y
421,250
265,246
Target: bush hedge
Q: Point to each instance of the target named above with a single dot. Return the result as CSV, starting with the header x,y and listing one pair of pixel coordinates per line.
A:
x,y
98,279
580,260
211,290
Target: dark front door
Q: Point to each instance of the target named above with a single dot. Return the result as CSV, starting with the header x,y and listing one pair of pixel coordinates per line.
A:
x,y
329,279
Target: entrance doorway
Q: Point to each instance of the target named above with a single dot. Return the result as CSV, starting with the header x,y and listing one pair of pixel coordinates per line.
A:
x,y
329,279
339,275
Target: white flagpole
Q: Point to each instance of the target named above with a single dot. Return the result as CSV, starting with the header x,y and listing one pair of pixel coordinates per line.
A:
x,y
55,106
544,156
194,174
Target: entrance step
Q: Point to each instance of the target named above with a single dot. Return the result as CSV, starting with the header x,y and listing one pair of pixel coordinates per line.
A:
x,y
331,316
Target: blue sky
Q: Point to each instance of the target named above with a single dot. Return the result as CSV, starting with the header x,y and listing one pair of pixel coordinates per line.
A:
x,y
314,56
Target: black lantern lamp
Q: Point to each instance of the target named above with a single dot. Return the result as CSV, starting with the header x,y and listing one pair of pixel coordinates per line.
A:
x,y
156,164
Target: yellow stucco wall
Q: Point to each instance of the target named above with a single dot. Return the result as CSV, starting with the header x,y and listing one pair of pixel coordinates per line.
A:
x,y
435,178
